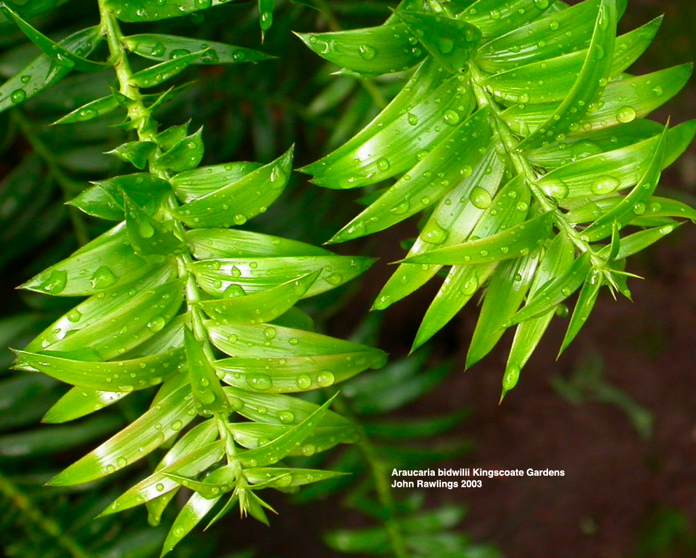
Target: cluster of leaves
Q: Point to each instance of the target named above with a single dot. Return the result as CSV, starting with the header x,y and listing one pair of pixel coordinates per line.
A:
x,y
524,140
518,134
179,299
404,526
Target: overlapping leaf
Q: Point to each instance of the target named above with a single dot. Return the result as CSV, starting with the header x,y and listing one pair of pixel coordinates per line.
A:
x,y
543,104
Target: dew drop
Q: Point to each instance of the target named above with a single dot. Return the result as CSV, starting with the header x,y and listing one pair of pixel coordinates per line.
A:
x,y
18,96
434,233
325,379
451,117
145,229
626,115
480,198
304,381
234,291
367,52
286,417
261,382
639,208
74,315
556,189
470,286
383,164
103,278
445,45
604,185
56,281
412,119
584,149
334,279
269,333
512,375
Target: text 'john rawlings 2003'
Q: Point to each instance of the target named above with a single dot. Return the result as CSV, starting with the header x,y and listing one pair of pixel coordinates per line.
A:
x,y
466,477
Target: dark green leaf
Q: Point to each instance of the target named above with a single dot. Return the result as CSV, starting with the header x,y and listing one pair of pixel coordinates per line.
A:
x,y
61,55
166,47
236,203
207,393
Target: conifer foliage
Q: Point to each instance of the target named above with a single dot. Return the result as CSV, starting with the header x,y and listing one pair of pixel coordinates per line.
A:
x,y
525,143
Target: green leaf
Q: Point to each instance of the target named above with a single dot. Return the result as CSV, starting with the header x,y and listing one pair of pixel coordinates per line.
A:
x,y
134,442
171,136
208,244
153,10
296,374
265,16
606,173
427,78
199,436
494,19
218,482
90,111
452,42
61,55
623,101
282,477
259,274
147,236
400,144
135,152
555,291
637,242
166,47
579,147
95,310
260,307
505,293
509,208
274,341
426,428
515,242
375,50
42,73
558,75
555,263
583,307
278,448
159,73
105,263
184,155
634,202
190,515
115,329
417,190
105,198
252,435
196,183
273,408
117,376
208,396
545,38
79,402
452,221
591,81
236,203
199,457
